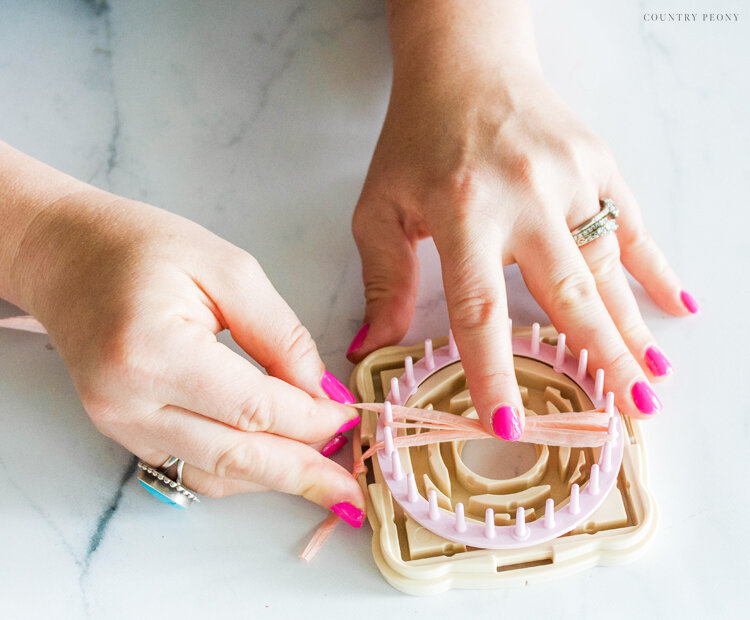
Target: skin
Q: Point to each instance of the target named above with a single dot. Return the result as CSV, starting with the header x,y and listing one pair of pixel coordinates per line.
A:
x,y
478,152
133,297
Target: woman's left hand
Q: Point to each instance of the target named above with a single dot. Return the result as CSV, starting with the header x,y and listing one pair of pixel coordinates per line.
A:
x,y
481,154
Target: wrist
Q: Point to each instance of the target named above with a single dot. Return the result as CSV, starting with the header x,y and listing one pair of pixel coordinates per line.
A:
x,y
469,39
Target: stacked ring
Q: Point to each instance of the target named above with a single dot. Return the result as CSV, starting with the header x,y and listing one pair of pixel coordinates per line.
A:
x,y
601,224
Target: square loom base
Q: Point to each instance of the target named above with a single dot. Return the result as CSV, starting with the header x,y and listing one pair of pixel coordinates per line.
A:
x,y
416,561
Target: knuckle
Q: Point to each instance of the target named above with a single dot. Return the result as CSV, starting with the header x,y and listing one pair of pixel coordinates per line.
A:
x,y
606,265
236,462
474,308
621,362
574,290
299,344
253,414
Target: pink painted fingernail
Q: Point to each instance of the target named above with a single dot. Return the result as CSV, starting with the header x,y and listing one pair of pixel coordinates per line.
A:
x,y
657,362
349,513
358,339
506,423
336,390
645,398
349,424
333,446
690,302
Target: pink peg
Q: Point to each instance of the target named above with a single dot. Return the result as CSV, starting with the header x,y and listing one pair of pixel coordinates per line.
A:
x,y
549,513
520,531
583,361
574,506
452,348
387,413
396,470
599,386
429,358
489,523
534,338
609,403
388,434
409,371
395,391
593,485
612,428
605,460
560,352
460,520
432,500
411,486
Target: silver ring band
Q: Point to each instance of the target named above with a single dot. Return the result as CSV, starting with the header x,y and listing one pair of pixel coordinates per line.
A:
x,y
601,224
158,482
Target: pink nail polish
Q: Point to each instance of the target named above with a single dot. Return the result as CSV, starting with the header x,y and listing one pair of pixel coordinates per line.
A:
x,y
358,339
333,446
349,513
506,423
690,302
645,398
349,424
336,390
657,362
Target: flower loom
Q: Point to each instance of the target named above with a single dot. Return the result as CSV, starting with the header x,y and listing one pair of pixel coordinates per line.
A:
x,y
438,523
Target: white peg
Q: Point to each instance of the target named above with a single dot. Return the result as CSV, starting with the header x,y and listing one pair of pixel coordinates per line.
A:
x,y
489,523
429,358
387,413
411,486
520,531
409,371
605,460
460,520
560,352
452,348
388,434
609,403
534,338
396,470
593,485
432,500
599,386
395,391
583,361
549,513
574,506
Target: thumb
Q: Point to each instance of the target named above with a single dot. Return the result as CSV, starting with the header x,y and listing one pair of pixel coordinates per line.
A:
x,y
390,270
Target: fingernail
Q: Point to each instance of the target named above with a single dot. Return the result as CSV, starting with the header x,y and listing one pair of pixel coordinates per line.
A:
x,y
657,362
506,423
333,446
690,302
358,339
349,424
645,398
336,390
349,513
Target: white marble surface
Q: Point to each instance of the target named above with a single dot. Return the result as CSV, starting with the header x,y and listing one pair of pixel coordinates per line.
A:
x,y
257,119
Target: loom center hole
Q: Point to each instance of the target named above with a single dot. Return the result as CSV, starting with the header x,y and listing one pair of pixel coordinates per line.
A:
x,y
498,460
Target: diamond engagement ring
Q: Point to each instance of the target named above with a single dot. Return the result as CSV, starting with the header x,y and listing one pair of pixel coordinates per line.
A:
x,y
601,224
170,491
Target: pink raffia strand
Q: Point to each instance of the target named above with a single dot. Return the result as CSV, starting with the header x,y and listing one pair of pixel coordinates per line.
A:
x,y
24,323
578,429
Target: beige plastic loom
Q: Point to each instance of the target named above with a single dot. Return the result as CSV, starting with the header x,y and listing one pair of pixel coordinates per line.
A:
x,y
489,473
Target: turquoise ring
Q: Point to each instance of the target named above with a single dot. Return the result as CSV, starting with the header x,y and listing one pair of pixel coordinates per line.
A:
x,y
158,482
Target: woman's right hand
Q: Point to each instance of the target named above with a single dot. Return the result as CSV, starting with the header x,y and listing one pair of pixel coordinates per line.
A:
x,y
133,297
